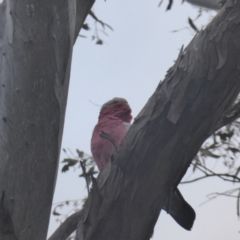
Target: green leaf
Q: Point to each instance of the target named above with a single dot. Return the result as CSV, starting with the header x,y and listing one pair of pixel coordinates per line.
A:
x,y
65,168
70,161
55,213
80,153
85,26
99,42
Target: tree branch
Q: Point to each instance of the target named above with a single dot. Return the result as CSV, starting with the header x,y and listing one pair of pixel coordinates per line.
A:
x,y
67,227
167,134
227,193
210,4
221,175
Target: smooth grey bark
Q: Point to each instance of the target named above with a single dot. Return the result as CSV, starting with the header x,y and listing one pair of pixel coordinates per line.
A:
x,y
210,4
130,192
36,41
67,227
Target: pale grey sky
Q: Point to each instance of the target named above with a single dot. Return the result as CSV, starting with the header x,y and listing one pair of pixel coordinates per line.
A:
x,y
130,64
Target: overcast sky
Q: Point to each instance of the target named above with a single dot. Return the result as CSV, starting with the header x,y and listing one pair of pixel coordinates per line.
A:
x,y
130,64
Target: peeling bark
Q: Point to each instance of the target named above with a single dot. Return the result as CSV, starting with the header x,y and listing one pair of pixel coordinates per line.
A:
x,y
229,116
210,4
36,41
186,107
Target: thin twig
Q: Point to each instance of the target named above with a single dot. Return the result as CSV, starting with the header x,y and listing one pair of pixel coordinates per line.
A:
x,y
238,203
160,3
212,175
206,171
84,174
169,5
92,14
215,195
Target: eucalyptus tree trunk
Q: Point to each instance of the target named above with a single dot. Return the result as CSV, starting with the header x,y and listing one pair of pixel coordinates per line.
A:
x,y
36,41
186,107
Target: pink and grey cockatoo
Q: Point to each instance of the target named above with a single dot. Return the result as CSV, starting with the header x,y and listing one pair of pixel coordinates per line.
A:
x,y
114,121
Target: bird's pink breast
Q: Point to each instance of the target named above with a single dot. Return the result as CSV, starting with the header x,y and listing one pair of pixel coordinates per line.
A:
x,y
102,148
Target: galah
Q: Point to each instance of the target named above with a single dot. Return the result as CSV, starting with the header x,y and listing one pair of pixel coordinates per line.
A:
x,y
114,121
